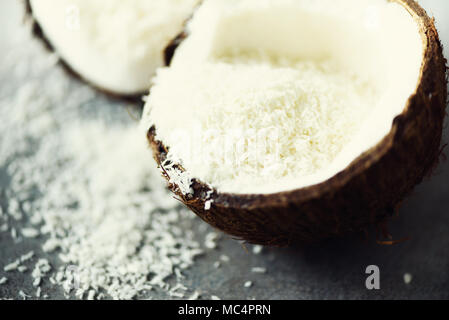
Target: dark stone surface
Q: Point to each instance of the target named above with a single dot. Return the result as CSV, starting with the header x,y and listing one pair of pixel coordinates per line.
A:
x,y
331,270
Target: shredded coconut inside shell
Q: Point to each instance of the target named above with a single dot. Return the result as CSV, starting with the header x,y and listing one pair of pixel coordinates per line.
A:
x,y
265,96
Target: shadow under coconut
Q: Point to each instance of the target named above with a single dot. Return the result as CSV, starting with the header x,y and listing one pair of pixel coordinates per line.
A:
x,y
336,268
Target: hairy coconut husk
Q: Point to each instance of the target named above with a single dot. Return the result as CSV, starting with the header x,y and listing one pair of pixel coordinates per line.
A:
x,y
39,34
367,192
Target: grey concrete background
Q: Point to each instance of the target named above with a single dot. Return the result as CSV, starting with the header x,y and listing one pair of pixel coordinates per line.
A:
x,y
331,270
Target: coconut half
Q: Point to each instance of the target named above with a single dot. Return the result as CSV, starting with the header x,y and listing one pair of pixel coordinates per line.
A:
x,y
283,121
114,45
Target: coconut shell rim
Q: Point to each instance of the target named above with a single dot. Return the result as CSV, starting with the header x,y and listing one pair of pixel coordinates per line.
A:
x,y
39,33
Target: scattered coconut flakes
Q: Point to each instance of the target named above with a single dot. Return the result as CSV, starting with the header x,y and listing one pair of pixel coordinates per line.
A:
x,y
12,266
195,296
59,276
175,291
224,258
179,274
36,219
208,205
408,278
91,295
38,292
176,295
176,177
23,295
41,269
50,245
215,298
102,205
44,266
14,209
217,264
30,233
258,270
22,269
3,280
26,206
27,257
37,281
257,249
211,240
248,284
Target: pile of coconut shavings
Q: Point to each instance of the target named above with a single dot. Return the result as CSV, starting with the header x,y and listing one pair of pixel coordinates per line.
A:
x,y
82,178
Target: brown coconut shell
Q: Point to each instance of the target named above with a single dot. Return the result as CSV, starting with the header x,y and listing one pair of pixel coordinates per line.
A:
x,y
170,50
367,192
39,34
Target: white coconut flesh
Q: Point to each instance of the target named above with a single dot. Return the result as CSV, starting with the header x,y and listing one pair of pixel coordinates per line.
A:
x,y
267,96
116,45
